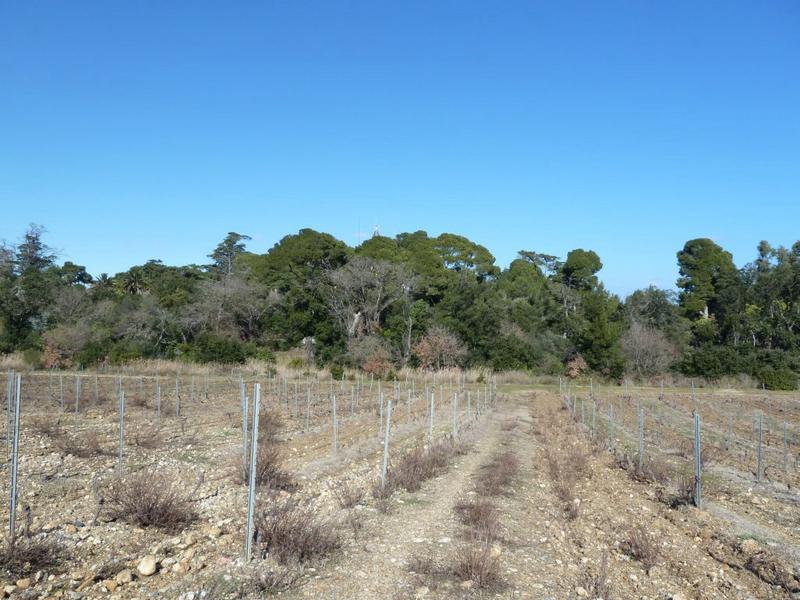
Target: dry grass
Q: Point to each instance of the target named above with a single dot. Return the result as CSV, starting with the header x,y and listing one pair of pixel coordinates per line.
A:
x,y
640,546
149,498
291,532
347,494
498,474
482,517
24,556
479,565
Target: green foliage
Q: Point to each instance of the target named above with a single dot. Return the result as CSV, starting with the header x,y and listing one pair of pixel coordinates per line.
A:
x,y
578,271
32,358
298,364
210,348
706,270
779,379
407,294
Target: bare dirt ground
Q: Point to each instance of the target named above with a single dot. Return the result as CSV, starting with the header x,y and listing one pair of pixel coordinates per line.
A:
x,y
553,540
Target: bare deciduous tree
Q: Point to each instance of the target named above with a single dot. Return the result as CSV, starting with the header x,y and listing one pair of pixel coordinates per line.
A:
x,y
647,350
359,292
438,348
230,306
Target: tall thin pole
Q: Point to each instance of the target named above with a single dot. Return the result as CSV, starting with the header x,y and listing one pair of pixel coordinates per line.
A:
x,y
760,451
385,466
785,446
158,403
121,429
455,415
15,461
430,413
698,465
641,438
335,425
245,402
251,488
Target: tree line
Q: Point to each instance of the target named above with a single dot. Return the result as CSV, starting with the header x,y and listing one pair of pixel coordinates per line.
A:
x,y
409,300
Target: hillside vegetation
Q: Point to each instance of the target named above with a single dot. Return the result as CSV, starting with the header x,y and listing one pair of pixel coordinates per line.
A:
x,y
411,300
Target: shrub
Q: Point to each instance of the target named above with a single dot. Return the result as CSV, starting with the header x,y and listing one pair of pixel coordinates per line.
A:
x,y
479,565
682,493
779,379
274,580
270,425
269,469
292,532
347,494
337,371
640,546
382,491
149,498
211,348
148,439
22,556
32,357
597,584
482,517
85,444
296,364
421,463
496,476
45,426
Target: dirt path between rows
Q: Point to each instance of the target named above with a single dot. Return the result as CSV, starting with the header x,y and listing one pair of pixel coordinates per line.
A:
x,y
377,564
542,552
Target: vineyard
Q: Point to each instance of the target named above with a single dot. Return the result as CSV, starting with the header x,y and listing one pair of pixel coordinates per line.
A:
x,y
207,486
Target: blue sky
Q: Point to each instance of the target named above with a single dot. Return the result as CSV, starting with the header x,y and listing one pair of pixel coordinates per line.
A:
x,y
136,130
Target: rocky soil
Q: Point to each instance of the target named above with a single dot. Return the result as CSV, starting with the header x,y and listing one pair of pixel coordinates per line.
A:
x,y
742,544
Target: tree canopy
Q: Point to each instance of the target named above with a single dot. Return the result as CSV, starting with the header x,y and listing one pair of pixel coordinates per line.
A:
x,y
411,299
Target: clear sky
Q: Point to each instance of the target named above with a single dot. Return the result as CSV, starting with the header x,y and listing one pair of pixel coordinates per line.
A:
x,y
138,130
